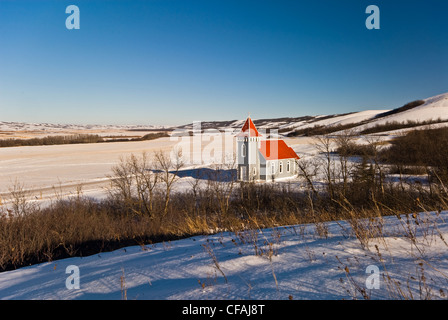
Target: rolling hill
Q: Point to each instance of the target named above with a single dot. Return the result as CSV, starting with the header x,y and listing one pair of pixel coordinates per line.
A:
x,y
430,110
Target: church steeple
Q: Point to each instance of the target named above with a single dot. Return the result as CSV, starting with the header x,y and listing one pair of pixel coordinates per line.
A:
x,y
249,129
248,152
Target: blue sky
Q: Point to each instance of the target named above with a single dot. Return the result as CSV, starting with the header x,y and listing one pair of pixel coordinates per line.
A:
x,y
177,61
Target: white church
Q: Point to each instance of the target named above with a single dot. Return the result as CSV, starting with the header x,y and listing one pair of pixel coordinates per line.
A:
x,y
263,160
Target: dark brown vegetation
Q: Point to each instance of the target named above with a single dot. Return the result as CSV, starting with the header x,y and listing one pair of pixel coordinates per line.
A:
x,y
420,151
75,139
407,106
52,140
426,149
395,125
388,126
321,130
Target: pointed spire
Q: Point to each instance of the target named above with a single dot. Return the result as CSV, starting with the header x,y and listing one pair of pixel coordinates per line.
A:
x,y
249,129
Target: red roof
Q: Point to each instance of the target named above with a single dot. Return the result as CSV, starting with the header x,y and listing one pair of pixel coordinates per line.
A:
x,y
248,129
277,149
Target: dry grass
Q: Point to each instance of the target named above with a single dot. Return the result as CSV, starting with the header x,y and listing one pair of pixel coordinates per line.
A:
x,y
82,226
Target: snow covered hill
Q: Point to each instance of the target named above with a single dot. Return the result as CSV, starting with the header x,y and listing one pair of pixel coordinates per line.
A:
x,y
23,126
433,108
406,259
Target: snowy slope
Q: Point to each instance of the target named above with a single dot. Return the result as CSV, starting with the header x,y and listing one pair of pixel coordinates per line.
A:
x,y
304,265
434,108
23,126
342,119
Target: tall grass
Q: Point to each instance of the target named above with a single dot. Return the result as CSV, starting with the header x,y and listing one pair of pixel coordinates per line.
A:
x,y
81,226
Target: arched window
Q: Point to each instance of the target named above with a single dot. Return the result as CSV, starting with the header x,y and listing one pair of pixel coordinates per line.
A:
x,y
272,167
243,150
288,166
280,166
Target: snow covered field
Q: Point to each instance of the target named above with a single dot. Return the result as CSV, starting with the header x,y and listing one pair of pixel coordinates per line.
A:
x,y
291,262
47,171
65,167
22,130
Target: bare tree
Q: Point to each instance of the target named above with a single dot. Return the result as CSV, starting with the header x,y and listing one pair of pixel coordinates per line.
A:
x,y
19,199
146,179
168,166
195,184
308,170
374,148
121,181
222,181
344,141
134,182
324,145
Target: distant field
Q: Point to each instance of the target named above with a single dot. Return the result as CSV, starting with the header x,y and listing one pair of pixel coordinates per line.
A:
x,y
42,167
61,169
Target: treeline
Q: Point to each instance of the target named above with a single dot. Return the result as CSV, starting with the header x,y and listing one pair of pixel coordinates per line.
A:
x,y
52,140
359,176
407,106
421,152
426,149
388,126
321,130
73,139
395,125
149,136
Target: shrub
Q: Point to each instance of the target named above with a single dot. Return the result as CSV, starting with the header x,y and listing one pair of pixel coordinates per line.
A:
x,y
395,125
407,106
52,140
424,148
